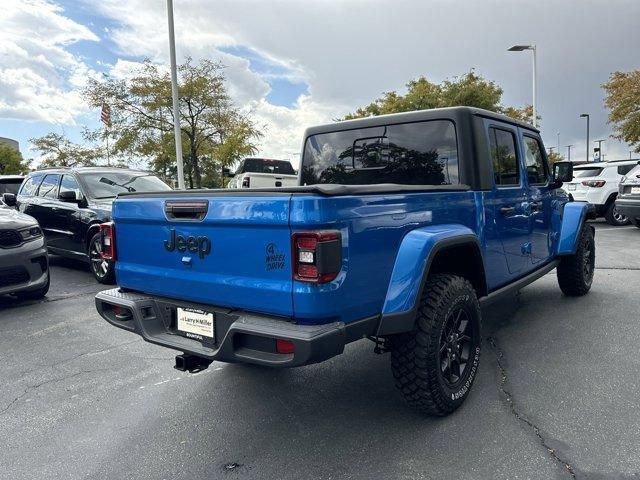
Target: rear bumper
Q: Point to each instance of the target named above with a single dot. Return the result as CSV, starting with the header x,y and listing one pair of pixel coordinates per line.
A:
x,y
239,336
629,207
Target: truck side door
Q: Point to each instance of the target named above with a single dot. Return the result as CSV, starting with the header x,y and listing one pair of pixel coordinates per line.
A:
x,y
509,200
539,196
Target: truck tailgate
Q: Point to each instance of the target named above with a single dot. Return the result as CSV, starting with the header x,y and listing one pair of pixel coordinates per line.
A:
x,y
236,256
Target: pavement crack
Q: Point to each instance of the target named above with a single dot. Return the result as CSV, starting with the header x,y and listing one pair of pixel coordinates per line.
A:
x,y
555,455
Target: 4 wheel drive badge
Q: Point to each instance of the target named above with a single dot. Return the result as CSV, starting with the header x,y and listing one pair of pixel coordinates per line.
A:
x,y
200,245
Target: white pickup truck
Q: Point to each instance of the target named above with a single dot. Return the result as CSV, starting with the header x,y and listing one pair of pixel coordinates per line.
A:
x,y
263,173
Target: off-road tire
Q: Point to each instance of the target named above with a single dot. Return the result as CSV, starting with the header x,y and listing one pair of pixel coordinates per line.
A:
x,y
575,272
416,360
35,294
105,275
613,217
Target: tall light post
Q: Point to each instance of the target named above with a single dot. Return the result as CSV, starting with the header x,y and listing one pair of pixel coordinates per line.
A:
x,y
520,48
174,94
558,143
586,115
569,152
600,155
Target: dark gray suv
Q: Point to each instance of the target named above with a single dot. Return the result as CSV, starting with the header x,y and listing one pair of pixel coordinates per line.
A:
x,y
24,268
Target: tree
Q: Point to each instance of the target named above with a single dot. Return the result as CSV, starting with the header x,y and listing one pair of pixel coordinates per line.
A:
x,y
58,151
214,132
469,89
554,157
11,161
623,101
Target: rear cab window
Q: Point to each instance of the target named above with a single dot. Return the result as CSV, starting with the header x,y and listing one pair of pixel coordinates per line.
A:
x,y
504,157
265,165
417,153
31,184
49,186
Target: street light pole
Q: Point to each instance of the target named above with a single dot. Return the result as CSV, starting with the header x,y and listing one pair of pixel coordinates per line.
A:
x,y
569,152
558,143
586,115
174,95
533,48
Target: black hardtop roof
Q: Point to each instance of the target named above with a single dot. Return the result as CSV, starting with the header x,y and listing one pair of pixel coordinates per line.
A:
x,y
449,113
89,170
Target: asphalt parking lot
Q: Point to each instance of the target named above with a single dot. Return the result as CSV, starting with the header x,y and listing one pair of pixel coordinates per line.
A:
x,y
558,395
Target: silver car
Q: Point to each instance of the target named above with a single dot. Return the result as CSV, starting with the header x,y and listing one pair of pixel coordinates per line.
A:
x,y
24,268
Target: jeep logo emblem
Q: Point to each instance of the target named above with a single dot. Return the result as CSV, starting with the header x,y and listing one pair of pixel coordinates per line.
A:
x,y
199,245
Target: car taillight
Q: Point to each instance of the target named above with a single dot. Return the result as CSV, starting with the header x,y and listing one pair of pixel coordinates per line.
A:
x,y
108,240
317,256
246,182
594,183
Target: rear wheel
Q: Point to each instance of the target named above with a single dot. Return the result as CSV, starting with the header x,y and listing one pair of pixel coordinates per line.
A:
x,y
575,272
614,217
435,365
103,270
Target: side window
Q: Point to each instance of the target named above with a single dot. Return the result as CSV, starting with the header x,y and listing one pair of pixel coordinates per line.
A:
x,y
70,184
30,186
537,169
624,169
506,168
49,186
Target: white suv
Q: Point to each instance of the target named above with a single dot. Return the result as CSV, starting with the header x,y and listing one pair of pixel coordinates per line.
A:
x,y
597,183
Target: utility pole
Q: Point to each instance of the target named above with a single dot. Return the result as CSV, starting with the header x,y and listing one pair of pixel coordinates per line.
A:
x,y
533,48
569,152
558,143
174,94
586,115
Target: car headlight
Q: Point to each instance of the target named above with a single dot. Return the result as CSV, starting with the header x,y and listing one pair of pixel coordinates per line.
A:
x,y
30,233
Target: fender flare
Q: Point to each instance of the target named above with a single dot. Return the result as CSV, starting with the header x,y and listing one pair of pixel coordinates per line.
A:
x,y
413,262
574,215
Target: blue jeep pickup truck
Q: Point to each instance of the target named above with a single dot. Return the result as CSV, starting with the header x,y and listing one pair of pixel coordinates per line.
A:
x,y
400,229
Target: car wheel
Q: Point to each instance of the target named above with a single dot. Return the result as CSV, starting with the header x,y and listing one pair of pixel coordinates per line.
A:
x,y
575,272
35,294
435,365
614,217
636,222
103,270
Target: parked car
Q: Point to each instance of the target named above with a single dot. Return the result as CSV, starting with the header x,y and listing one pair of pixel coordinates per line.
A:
x,y
24,268
597,183
263,173
628,201
10,183
70,203
401,227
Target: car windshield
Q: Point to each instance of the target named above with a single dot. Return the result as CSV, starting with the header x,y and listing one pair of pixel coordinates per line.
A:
x,y
263,165
587,172
110,184
10,186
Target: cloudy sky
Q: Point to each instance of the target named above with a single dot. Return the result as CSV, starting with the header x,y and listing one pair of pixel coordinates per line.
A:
x,y
298,63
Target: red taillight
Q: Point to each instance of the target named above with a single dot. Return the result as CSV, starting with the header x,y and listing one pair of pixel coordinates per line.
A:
x,y
594,183
246,182
108,240
284,346
317,256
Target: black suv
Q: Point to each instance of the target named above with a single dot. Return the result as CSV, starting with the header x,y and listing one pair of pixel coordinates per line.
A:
x,y
71,203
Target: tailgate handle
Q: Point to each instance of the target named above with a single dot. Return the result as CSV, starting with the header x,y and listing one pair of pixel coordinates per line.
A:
x,y
186,211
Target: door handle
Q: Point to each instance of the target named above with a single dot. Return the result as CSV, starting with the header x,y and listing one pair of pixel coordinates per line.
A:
x,y
507,210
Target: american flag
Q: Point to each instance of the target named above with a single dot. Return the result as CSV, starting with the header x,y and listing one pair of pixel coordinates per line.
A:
x,y
105,115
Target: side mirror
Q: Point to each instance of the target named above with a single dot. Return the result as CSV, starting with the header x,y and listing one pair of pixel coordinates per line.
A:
x,y
68,196
9,199
562,172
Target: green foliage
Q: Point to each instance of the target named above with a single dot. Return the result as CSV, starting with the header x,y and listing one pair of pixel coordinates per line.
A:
x,y
555,157
11,161
58,151
470,90
623,100
214,132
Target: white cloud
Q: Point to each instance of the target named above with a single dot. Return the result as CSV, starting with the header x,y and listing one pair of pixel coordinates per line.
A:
x,y
39,77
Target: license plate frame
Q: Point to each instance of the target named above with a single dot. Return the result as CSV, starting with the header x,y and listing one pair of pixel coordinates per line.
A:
x,y
635,190
196,324
571,187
